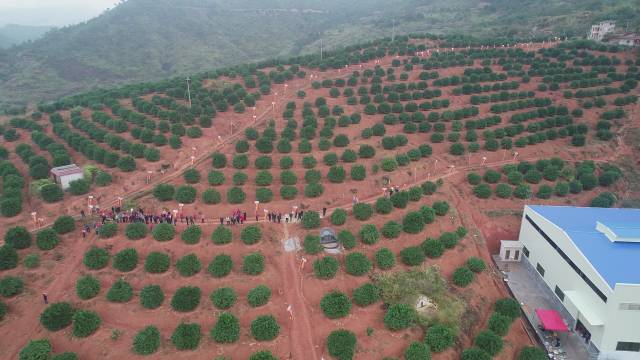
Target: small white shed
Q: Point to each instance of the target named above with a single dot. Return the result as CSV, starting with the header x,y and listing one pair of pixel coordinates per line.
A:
x,y
510,250
63,175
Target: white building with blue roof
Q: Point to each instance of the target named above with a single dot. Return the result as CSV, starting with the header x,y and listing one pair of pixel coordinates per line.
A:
x,y
590,258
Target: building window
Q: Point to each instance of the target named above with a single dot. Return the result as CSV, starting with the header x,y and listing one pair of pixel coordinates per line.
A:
x,y
540,269
559,293
630,306
628,346
525,251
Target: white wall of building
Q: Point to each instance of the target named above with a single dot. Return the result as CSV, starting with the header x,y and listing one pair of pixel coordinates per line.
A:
x,y
619,325
66,179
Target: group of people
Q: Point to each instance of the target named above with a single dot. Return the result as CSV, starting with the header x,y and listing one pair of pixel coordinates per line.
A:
x,y
237,217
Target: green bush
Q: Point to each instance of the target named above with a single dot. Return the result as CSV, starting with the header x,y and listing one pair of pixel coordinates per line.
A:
x,y
482,191
186,194
476,264
151,297
85,323
265,328
57,316
385,259
262,355
311,244
126,163
474,354
223,298
335,305
391,230
10,207
186,336
311,220
499,324
186,299
188,265
412,255
489,342
253,264
366,294
288,192
95,258
336,174
136,231
439,338
358,172
146,341
369,234
191,235
221,235
346,238
120,292
417,351
211,196
433,248
3,310
235,195
532,353
51,193
399,316
18,237
125,260
462,276
523,192
508,307
31,261
103,178
338,217
36,350
362,211
79,187
313,190
64,225
357,264
400,199
164,192
383,206
474,178
226,330
215,178
449,239
258,296
604,200
503,191
107,230
441,208
341,344
47,239
413,222
220,266
8,257
325,267
11,286
156,263
163,232
251,234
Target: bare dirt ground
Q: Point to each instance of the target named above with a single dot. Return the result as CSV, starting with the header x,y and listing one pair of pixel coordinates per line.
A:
x,y
303,336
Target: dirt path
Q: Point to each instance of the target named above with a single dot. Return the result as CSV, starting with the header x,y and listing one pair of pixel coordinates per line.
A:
x,y
301,333
59,289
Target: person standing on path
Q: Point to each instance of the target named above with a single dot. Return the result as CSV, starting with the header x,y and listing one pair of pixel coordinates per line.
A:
x,y
324,211
45,298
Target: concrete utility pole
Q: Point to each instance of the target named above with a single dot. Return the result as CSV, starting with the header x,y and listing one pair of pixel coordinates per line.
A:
x,y
393,31
189,90
320,49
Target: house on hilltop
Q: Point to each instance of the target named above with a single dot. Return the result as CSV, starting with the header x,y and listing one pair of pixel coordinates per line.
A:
x,y
599,31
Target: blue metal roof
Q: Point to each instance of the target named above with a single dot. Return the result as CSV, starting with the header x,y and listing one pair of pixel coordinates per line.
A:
x,y
624,229
617,262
